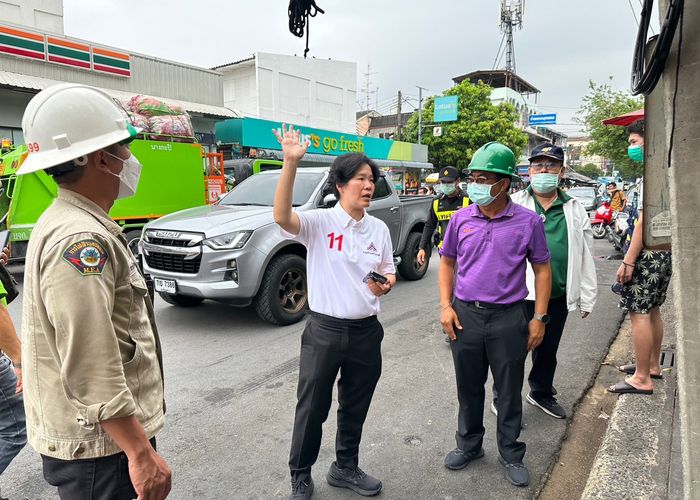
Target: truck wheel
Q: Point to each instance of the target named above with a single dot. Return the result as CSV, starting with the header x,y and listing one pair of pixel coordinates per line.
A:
x,y
132,240
181,300
409,268
283,295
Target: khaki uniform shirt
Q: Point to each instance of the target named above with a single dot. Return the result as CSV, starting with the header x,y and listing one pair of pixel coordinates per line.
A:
x,y
90,347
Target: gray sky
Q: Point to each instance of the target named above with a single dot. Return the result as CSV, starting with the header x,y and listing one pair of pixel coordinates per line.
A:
x,y
563,43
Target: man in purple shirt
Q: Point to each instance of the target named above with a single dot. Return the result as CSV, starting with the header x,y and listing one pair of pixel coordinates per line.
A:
x,y
490,243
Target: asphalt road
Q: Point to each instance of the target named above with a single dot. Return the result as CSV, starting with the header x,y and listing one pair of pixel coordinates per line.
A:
x,y
231,385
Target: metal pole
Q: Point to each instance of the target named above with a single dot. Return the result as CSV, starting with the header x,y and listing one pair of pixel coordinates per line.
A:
x,y
420,113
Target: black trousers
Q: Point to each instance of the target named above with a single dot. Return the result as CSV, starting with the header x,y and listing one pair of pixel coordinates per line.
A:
x,y
330,345
104,478
495,338
544,357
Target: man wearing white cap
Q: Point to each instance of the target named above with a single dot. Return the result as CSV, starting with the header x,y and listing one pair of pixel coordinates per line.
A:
x,y
93,377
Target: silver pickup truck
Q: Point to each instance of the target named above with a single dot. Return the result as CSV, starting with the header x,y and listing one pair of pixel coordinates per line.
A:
x,y
232,252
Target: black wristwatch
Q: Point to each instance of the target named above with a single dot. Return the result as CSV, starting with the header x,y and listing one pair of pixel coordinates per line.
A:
x,y
544,318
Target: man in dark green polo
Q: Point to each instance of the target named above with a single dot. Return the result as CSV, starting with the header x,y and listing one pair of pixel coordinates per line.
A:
x,y
574,284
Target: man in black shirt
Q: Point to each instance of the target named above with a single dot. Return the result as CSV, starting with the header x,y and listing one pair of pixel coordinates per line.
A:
x,y
450,200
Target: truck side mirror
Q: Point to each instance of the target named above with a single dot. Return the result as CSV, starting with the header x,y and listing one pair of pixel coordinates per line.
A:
x,y
329,200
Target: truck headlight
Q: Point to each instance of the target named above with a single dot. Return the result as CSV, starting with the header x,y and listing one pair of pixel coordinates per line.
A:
x,y
229,241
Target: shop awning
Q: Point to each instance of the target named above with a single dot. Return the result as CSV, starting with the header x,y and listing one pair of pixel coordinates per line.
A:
x,y
16,80
626,119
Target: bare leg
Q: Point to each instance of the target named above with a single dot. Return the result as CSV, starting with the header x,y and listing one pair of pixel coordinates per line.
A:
x,y
643,345
657,326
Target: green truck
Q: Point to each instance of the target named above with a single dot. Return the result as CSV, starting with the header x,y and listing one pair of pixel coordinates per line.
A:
x,y
174,177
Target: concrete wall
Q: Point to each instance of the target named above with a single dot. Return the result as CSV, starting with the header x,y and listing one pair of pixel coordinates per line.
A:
x,y
44,15
685,207
314,92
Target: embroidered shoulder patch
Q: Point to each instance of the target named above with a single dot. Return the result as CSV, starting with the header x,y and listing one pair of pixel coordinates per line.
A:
x,y
88,257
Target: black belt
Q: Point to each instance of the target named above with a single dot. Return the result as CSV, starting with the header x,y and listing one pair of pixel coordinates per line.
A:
x,y
486,305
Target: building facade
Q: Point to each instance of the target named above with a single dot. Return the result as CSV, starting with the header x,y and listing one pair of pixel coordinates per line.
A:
x,y
44,15
32,60
313,92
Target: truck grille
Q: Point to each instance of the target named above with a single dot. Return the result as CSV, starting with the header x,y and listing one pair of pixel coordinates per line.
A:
x,y
168,242
173,263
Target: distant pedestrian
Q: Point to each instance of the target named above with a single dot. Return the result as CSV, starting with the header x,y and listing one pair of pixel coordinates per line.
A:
x,y
441,211
345,245
486,249
618,200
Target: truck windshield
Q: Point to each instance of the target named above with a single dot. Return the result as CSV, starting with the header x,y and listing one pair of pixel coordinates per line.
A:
x,y
260,189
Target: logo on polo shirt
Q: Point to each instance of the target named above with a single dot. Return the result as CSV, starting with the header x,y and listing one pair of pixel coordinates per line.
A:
x,y
372,249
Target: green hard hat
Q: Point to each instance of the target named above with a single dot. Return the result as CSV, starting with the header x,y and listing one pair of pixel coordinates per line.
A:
x,y
494,157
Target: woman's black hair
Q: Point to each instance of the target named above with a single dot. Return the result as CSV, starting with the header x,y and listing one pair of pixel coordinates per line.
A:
x,y
636,127
346,166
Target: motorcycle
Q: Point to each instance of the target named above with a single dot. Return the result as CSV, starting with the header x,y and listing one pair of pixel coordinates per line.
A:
x,y
601,220
617,230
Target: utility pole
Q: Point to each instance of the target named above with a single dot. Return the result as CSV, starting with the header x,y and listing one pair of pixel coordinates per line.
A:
x,y
398,119
420,113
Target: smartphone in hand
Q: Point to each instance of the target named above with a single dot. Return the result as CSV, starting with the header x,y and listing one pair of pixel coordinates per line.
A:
x,y
375,277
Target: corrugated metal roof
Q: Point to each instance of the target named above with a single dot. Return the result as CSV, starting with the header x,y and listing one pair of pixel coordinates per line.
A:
x,y
232,63
37,83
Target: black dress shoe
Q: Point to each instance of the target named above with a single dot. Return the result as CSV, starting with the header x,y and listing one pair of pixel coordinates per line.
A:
x,y
457,459
355,479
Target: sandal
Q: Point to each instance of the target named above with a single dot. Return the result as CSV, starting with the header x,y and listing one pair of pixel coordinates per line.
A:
x,y
631,368
625,387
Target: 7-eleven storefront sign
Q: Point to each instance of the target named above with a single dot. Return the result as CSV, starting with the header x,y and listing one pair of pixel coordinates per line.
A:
x,y
66,52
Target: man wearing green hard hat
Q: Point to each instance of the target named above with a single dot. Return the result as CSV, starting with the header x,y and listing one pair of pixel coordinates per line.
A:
x,y
485,252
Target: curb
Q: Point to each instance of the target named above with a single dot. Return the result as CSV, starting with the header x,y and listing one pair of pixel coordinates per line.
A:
x,y
634,459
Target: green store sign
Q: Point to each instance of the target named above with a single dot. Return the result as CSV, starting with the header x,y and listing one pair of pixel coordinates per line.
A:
x,y
256,133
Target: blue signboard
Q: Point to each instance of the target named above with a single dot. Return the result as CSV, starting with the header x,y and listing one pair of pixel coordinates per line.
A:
x,y
446,109
544,119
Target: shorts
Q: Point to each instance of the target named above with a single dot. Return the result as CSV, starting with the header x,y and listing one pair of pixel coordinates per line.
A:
x,y
650,279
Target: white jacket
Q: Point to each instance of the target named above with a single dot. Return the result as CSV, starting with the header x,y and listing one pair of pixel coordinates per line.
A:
x,y
581,280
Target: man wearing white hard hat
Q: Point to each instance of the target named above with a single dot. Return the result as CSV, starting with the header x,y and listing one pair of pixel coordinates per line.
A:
x,y
93,376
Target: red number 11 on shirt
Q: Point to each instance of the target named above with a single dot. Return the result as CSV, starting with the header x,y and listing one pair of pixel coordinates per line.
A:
x,y
333,238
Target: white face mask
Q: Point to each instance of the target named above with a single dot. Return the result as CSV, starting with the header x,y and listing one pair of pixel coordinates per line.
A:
x,y
128,177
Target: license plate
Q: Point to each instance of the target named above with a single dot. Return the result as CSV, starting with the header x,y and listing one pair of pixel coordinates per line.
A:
x,y
167,286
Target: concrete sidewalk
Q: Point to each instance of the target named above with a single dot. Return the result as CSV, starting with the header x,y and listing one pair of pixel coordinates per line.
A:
x,y
640,455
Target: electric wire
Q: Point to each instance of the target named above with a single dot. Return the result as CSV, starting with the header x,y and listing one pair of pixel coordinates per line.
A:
x,y
495,61
645,77
675,91
634,14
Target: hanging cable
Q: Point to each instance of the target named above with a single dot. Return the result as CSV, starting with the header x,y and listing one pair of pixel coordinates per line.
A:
x,y
299,12
645,77
498,54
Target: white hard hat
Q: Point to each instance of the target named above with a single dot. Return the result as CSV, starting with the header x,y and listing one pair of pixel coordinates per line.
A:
x,y
67,121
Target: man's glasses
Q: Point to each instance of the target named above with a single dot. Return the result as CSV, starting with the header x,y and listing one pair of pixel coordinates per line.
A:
x,y
548,166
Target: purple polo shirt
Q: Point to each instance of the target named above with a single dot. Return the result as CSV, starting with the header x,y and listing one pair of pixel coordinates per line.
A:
x,y
492,253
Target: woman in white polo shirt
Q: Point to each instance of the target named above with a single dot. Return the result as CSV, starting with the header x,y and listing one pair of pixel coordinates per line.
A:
x,y
342,332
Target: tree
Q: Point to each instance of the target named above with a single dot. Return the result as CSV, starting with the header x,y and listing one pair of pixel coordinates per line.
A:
x,y
610,142
478,122
589,170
